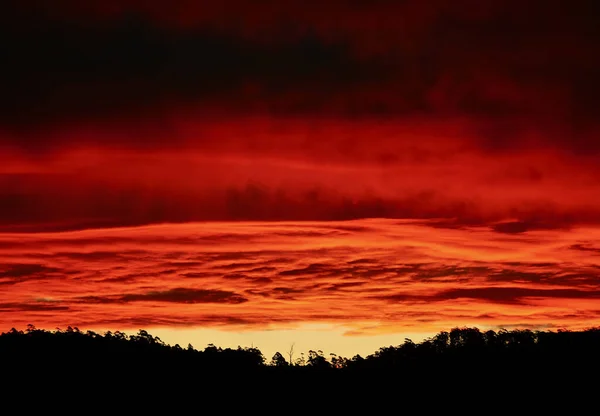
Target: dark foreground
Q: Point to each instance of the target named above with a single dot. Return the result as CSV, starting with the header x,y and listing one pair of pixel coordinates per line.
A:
x,y
461,366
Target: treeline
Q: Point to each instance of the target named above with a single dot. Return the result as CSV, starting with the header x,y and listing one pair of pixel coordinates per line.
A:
x,y
462,369
467,349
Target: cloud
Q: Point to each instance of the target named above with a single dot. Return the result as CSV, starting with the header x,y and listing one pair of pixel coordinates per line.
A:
x,y
16,272
176,295
516,294
342,286
310,270
134,196
183,295
130,67
172,321
512,72
99,256
585,247
32,307
498,295
515,227
197,275
440,271
387,274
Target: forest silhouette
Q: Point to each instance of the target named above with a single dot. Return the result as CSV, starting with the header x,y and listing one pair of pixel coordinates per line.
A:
x,y
464,369
459,355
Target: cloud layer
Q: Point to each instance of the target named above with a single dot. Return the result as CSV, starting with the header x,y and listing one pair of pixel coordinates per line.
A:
x,y
140,113
295,170
72,62
371,276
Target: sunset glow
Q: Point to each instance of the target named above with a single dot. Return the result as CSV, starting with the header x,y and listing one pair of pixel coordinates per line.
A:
x,y
335,176
364,277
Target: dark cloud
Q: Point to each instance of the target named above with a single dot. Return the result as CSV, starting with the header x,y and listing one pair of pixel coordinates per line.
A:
x,y
262,269
508,275
235,266
512,69
342,286
177,295
183,295
197,275
508,295
37,203
585,247
131,277
17,272
132,68
286,293
362,261
33,307
542,273
516,227
533,265
311,269
532,219
351,229
235,276
515,294
285,290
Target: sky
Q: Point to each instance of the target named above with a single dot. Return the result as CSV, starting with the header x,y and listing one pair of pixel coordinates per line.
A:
x,y
335,175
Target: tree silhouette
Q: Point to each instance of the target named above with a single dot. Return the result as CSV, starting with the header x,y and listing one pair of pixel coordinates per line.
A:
x,y
291,354
278,360
461,352
316,359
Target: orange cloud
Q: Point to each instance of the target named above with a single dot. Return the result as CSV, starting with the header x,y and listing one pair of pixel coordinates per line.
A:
x,y
367,275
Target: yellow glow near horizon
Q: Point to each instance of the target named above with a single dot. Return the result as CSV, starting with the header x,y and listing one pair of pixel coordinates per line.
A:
x,y
326,337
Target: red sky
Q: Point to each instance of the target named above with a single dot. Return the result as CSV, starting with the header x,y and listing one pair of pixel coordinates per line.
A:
x,y
150,153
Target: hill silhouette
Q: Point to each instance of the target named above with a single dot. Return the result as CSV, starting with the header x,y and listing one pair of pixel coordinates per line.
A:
x,y
516,360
